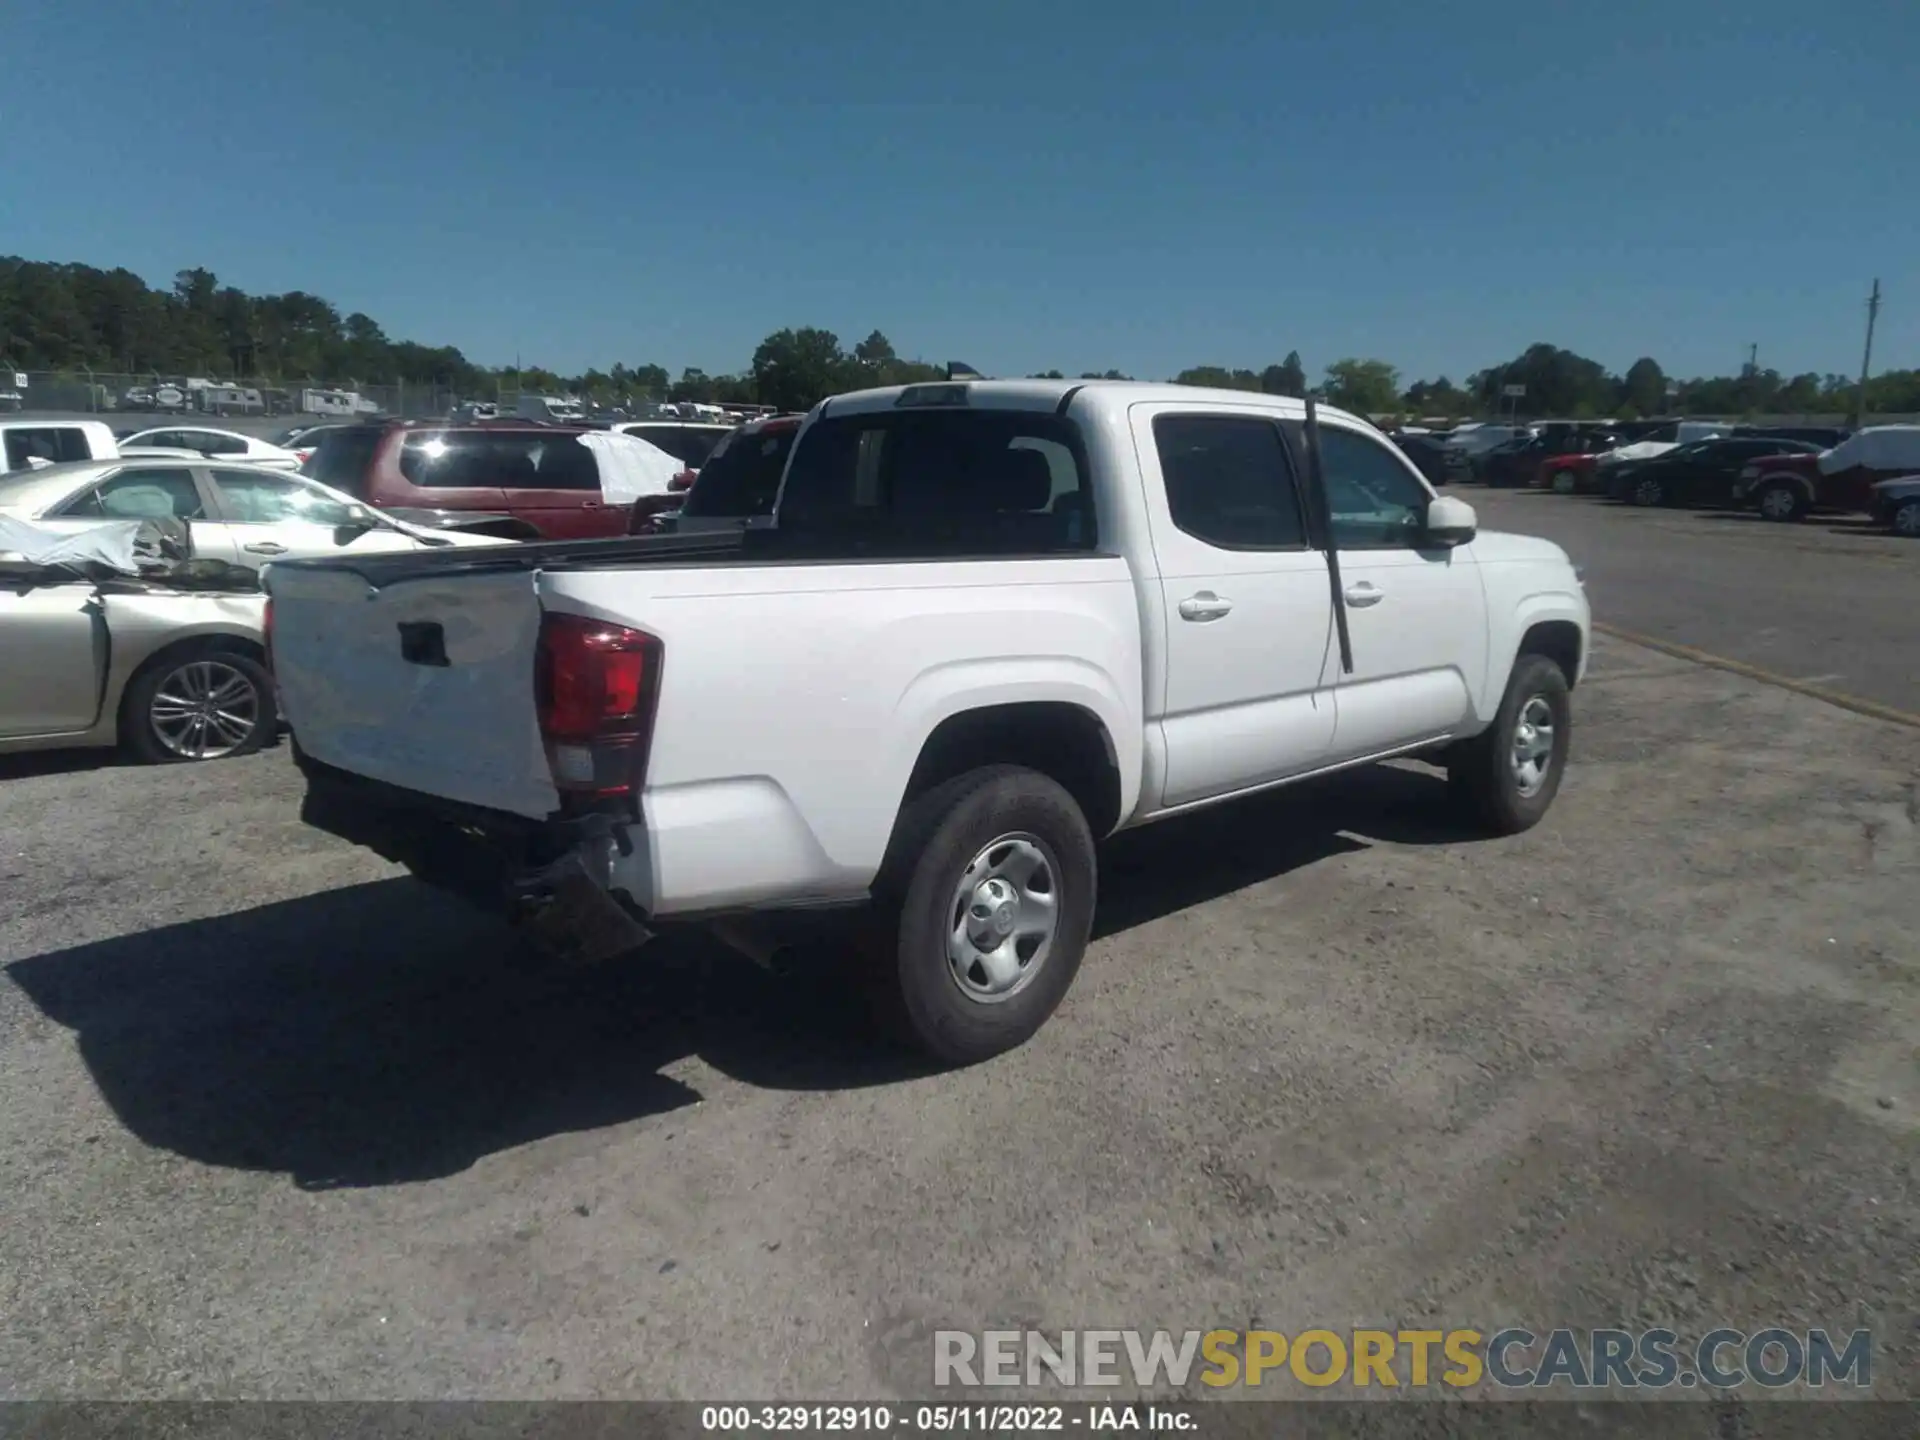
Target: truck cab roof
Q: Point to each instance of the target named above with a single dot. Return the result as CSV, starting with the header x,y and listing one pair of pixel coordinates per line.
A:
x,y
1113,396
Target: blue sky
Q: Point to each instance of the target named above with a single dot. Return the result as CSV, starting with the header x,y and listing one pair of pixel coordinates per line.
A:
x,y
1019,186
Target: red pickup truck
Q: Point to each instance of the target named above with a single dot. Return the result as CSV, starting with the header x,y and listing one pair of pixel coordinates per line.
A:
x,y
1789,487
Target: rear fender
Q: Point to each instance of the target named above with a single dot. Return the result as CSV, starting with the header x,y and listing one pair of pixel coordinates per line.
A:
x,y
944,691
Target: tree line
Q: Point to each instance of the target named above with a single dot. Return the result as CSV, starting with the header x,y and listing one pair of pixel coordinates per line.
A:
x,y
67,317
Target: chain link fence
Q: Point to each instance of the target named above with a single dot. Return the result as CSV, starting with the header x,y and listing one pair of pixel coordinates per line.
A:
x,y
91,392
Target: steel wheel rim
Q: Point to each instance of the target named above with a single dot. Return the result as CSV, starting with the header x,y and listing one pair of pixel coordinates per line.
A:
x,y
1906,519
204,709
1777,503
1533,740
1003,918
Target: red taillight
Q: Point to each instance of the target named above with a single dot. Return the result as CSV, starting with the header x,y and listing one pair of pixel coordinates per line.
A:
x,y
595,685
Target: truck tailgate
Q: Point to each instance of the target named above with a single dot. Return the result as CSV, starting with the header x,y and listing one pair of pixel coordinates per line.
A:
x,y
426,683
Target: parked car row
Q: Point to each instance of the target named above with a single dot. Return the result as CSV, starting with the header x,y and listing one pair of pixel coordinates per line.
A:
x,y
1783,473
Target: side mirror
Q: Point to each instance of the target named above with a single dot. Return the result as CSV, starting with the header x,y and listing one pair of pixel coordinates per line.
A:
x,y
358,518
1450,522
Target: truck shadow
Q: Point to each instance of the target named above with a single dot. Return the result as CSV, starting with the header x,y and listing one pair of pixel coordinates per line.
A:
x,y
1176,864
383,1034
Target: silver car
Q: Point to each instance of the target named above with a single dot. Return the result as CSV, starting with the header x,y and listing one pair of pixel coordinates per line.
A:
x,y
169,674
168,668
243,514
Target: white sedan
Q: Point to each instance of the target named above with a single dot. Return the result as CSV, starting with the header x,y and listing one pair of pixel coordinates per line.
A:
x,y
220,445
244,514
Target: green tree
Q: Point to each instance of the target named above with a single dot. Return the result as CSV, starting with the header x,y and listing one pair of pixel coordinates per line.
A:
x,y
1558,382
874,351
1289,377
1216,377
1645,386
796,369
1366,387
1437,397
694,385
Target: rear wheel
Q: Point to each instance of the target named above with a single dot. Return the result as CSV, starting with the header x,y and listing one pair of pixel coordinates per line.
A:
x,y
1648,492
1563,482
985,904
198,705
1906,519
1506,777
1780,500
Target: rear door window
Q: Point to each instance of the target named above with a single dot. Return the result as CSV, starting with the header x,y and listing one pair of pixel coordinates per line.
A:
x,y
1228,481
987,481
530,461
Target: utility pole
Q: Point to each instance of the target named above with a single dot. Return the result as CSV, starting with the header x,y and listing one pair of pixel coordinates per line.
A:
x,y
1866,359
1753,358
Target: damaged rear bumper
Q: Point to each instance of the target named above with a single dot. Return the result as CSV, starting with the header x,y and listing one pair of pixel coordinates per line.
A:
x,y
548,876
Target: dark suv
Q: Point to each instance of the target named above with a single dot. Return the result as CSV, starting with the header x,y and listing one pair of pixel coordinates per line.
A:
x,y
516,480
739,480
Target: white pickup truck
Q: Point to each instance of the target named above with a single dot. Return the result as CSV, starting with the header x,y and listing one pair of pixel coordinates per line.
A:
x,y
988,624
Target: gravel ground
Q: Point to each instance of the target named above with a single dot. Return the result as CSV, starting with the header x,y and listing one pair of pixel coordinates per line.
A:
x,y
282,1124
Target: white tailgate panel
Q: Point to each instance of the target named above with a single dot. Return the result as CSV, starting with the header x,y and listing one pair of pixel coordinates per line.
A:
x,y
465,731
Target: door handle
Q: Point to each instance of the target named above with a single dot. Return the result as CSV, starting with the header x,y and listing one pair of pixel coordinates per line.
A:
x,y
591,505
1363,593
265,547
1204,606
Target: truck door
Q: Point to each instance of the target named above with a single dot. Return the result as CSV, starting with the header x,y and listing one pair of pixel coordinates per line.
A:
x,y
1417,615
1248,617
53,647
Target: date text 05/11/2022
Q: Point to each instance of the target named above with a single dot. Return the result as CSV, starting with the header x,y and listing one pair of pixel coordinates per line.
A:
x,y
942,1419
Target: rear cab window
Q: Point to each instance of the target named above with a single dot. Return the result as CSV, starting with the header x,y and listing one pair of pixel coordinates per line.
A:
x,y
942,481
48,444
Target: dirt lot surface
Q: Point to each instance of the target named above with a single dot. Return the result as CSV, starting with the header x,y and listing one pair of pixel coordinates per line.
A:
x,y
280,1123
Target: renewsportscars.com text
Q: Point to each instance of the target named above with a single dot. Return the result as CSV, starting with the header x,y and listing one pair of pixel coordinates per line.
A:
x,y
1511,1358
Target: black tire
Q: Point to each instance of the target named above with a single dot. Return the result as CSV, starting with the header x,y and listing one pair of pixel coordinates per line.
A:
x,y
918,994
1788,502
1905,519
1648,492
144,741
1481,773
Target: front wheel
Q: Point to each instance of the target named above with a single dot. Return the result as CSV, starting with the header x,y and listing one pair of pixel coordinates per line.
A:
x,y
1906,519
1780,500
198,705
1563,482
1506,777
1649,492
986,905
